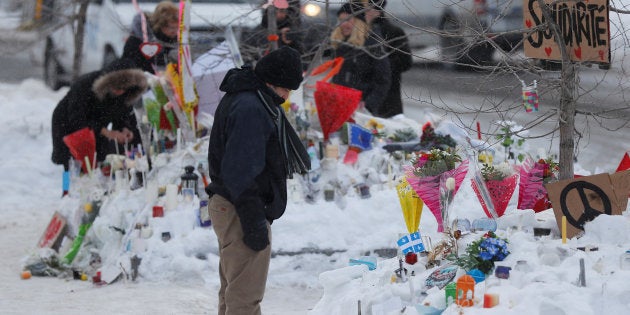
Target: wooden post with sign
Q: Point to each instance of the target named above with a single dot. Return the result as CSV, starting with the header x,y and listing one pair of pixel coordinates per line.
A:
x,y
584,27
568,31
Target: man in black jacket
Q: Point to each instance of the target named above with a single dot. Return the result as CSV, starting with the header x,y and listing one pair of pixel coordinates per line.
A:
x,y
94,101
396,46
252,151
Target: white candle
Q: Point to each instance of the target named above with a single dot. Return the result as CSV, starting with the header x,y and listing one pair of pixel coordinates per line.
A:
x,y
171,197
120,180
151,193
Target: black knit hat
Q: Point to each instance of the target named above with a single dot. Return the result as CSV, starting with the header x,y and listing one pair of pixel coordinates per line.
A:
x,y
353,9
281,67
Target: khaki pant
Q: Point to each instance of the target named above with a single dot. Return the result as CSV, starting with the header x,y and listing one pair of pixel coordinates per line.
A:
x,y
243,271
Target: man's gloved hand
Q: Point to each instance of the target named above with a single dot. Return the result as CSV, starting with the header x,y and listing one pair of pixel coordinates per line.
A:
x,y
256,236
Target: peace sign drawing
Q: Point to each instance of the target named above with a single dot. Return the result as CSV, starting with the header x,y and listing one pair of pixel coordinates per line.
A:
x,y
594,201
582,199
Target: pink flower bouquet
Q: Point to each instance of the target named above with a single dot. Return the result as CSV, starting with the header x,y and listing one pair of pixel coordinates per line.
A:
x,y
501,183
436,177
532,192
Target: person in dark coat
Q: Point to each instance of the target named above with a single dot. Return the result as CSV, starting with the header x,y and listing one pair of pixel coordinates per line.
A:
x,y
95,100
161,29
396,47
251,152
289,33
365,67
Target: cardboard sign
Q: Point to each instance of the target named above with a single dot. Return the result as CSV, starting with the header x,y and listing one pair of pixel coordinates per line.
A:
x,y
584,26
53,235
582,199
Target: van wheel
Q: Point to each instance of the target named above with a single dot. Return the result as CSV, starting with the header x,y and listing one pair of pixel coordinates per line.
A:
x,y
52,69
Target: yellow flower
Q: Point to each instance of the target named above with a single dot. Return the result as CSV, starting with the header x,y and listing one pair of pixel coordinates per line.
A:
x,y
373,124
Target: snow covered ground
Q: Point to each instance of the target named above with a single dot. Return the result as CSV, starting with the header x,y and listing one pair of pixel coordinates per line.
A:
x,y
175,279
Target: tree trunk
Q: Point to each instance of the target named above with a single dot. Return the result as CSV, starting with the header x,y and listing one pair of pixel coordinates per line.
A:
x,y
567,120
567,99
272,27
78,38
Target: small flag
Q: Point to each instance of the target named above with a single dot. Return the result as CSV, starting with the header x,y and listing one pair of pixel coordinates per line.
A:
x,y
411,243
359,137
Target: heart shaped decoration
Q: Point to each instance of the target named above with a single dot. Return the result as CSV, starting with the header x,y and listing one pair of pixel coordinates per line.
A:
x,y
528,23
548,51
578,52
149,50
601,54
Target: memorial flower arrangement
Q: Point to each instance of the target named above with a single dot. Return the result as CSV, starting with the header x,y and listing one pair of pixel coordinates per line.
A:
x,y
496,173
436,176
550,169
534,175
375,127
482,253
434,162
431,139
496,187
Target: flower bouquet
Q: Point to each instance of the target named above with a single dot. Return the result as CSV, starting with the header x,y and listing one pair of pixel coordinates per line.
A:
x,y
436,177
410,204
534,175
482,253
500,182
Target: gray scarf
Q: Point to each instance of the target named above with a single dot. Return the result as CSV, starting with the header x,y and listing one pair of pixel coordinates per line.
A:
x,y
295,155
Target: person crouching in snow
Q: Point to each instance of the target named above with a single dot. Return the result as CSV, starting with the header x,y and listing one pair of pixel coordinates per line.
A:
x,y
252,151
95,100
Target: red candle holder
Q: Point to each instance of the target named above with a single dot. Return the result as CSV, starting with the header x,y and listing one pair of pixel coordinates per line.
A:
x,y
411,258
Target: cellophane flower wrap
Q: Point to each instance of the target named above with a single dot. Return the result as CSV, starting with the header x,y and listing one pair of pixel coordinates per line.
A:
x,y
482,253
411,205
534,174
427,171
500,180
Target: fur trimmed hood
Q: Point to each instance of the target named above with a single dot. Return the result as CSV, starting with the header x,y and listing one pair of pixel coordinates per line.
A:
x,y
131,80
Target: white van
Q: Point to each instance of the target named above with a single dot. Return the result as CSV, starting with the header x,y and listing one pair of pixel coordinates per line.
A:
x,y
107,27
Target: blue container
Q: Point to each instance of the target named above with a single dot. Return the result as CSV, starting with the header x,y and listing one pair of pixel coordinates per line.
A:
x,y
484,224
65,182
478,275
428,310
203,208
502,272
462,225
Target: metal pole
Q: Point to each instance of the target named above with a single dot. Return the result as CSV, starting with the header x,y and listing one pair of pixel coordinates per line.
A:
x,y
272,27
